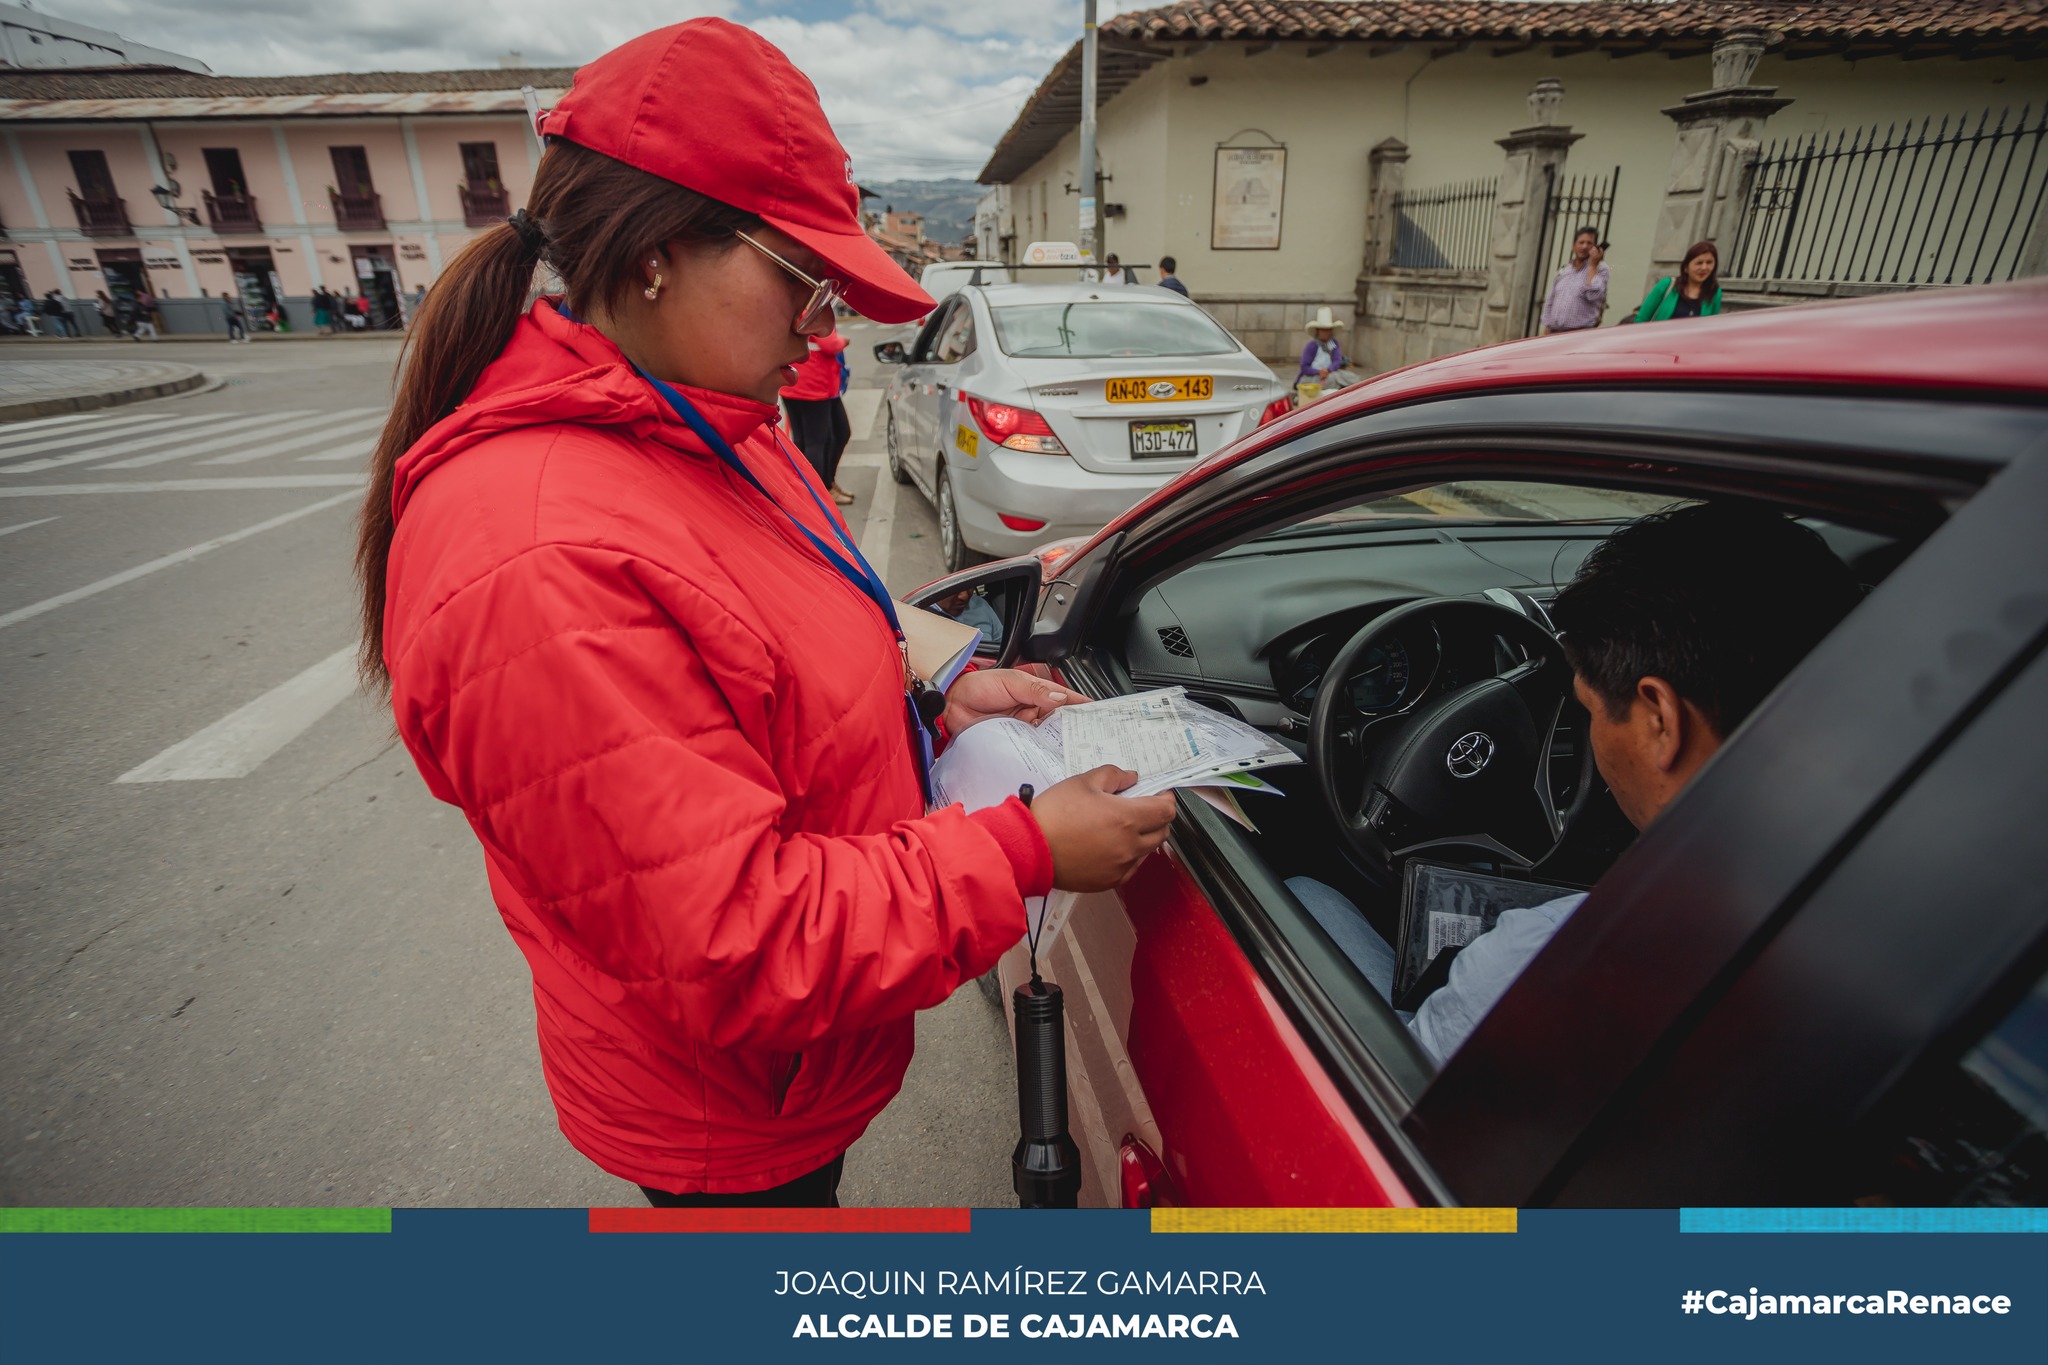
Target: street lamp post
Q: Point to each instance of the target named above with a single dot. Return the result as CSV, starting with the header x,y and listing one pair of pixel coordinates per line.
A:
x,y
167,195
1088,132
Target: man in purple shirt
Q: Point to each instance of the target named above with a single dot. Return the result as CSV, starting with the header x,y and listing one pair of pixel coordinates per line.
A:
x,y
1578,296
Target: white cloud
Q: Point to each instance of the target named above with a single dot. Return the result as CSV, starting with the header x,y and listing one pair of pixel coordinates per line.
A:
x,y
918,89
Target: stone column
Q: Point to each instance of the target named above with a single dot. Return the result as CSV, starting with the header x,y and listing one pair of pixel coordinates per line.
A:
x,y
1714,158
1389,172
1535,158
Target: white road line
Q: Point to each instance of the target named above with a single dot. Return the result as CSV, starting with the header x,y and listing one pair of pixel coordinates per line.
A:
x,y
13,431
300,442
221,436
349,452
124,445
65,599
862,407
25,525
238,743
215,485
129,425
878,532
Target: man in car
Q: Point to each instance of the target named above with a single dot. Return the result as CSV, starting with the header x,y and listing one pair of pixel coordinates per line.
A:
x,y
1676,626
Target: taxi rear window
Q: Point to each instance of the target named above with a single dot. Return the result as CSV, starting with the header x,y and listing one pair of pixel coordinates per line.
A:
x,y
1092,330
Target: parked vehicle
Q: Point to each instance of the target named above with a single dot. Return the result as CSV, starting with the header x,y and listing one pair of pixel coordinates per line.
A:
x,y
1820,977
1030,412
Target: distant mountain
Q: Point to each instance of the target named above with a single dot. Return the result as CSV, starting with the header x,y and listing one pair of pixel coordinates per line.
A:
x,y
947,205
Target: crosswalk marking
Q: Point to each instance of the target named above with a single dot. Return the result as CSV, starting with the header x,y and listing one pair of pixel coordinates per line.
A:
x,y
15,430
221,436
10,530
73,437
349,452
300,442
99,451
862,406
238,743
65,599
214,485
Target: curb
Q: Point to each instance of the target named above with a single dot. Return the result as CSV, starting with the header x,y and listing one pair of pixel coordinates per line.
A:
x,y
86,402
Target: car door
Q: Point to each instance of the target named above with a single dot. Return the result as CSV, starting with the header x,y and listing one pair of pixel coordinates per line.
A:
x,y
1222,1031
953,343
911,399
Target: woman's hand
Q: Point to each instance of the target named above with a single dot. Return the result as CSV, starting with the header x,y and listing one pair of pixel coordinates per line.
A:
x,y
1097,837
987,693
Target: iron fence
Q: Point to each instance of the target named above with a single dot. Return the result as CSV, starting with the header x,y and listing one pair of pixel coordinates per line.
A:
x,y
1445,228
1581,201
1946,203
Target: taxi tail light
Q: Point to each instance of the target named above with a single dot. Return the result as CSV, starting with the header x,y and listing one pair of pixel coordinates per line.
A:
x,y
1014,427
1020,523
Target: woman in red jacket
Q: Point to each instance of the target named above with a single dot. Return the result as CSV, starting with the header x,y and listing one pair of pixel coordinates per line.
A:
x,y
817,413
626,634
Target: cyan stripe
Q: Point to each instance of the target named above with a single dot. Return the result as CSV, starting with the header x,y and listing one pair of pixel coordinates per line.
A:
x,y
1863,1220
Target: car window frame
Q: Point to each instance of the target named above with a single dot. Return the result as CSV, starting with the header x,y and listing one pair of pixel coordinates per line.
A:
x,y
965,312
1136,556
921,349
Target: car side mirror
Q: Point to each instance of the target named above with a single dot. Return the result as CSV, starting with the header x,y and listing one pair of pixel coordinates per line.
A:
x,y
891,353
997,599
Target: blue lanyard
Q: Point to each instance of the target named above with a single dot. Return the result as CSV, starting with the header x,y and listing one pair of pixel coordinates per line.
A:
x,y
852,566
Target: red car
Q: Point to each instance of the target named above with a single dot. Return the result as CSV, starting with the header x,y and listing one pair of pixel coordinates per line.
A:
x,y
1821,977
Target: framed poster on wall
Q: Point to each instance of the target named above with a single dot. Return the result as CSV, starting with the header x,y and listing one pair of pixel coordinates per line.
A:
x,y
1251,183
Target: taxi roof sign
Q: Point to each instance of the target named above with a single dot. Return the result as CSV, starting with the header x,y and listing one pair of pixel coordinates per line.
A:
x,y
1054,253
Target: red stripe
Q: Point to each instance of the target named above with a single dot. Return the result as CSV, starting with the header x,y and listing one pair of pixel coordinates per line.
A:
x,y
779,1220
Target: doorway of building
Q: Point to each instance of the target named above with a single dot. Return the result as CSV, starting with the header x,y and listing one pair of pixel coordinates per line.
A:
x,y
13,289
377,280
122,269
256,284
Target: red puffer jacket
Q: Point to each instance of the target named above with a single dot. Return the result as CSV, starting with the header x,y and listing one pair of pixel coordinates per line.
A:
x,y
819,374
680,736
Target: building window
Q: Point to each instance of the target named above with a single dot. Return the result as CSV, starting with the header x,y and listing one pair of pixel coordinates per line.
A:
x,y
224,169
229,205
100,211
95,181
485,200
357,207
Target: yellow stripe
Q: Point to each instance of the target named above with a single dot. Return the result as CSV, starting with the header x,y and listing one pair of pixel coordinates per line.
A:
x,y
1444,504
1333,1220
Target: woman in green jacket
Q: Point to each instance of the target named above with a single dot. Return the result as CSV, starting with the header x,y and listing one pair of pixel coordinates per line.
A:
x,y
1694,292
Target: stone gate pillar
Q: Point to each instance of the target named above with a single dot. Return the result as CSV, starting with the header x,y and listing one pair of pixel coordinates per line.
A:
x,y
1714,158
1535,158
1389,161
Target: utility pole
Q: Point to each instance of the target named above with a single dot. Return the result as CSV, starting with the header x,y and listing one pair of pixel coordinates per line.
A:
x,y
1088,132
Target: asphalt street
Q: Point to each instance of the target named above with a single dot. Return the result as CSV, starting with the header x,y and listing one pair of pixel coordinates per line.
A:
x,y
249,960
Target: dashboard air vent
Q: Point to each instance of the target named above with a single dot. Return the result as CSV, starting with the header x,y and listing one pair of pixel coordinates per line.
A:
x,y
1175,641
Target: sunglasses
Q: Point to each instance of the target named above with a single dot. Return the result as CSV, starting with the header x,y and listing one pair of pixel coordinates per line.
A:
x,y
825,294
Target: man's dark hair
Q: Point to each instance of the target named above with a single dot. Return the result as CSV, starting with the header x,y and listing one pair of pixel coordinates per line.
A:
x,y
1167,265
1721,600
1587,231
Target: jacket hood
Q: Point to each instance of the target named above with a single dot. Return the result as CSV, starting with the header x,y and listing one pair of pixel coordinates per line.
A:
x,y
555,370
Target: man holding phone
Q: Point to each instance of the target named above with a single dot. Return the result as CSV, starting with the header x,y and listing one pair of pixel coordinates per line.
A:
x,y
1578,296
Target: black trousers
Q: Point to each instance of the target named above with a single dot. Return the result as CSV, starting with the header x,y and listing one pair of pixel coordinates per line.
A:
x,y
821,431
818,1190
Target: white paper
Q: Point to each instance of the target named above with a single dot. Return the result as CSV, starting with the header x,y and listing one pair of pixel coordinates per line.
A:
x,y
1451,931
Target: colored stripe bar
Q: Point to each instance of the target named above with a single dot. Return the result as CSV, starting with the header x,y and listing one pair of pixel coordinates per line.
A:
x,y
195,1220
1333,1220
779,1220
1863,1220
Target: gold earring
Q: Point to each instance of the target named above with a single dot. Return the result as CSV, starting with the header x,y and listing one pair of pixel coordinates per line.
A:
x,y
653,291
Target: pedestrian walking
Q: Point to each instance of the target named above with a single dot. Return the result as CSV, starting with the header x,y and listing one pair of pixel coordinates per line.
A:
x,y
817,410
27,319
237,320
1113,272
323,310
109,318
145,315
624,633
58,314
127,318
1578,293
1169,280
1694,292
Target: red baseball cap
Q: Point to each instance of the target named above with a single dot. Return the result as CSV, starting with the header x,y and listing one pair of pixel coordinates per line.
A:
x,y
719,110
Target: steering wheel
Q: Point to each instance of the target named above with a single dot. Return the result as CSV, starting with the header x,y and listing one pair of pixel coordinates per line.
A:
x,y
1469,768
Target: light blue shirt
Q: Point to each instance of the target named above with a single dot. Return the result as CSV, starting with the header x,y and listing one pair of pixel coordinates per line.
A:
x,y
1482,973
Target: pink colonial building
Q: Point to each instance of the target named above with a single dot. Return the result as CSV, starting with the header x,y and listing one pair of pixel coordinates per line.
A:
x,y
266,186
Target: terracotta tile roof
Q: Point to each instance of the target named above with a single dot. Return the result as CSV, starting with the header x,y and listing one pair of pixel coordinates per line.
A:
x,y
1134,42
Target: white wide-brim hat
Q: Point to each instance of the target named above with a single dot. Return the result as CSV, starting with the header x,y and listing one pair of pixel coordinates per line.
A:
x,y
1322,320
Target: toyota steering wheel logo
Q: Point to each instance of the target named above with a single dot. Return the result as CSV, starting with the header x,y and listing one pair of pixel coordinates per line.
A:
x,y
1470,755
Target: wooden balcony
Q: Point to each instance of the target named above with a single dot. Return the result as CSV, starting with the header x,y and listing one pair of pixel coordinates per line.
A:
x,y
102,217
483,206
358,212
232,212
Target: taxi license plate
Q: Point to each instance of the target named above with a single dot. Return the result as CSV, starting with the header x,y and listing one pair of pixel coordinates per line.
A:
x,y
1162,438
1171,389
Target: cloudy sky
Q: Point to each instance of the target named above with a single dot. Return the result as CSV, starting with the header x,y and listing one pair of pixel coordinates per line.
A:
x,y
917,89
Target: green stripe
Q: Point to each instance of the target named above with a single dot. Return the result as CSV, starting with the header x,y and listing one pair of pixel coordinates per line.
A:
x,y
195,1220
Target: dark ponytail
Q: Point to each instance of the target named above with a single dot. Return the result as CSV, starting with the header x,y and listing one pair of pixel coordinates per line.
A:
x,y
591,219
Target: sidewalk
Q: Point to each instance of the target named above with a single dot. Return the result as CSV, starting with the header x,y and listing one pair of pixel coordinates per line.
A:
x,y
45,388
